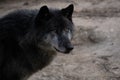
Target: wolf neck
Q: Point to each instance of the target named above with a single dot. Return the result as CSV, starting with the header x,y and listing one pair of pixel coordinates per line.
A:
x,y
40,57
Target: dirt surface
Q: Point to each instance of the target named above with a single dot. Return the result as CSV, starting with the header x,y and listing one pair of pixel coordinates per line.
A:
x,y
96,55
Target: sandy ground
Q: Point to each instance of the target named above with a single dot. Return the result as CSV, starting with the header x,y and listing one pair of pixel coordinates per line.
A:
x,y
96,55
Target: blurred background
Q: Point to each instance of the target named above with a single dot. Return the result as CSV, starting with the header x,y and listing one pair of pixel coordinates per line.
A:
x,y
96,55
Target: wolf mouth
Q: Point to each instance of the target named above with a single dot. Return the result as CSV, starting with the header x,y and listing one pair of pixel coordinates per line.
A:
x,y
67,51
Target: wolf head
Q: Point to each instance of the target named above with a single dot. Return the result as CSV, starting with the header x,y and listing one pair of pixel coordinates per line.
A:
x,y
56,27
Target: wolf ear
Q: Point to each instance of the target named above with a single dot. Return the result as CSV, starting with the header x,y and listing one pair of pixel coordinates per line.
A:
x,y
68,11
43,14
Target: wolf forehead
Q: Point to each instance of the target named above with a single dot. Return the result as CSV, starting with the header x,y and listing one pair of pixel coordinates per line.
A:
x,y
59,23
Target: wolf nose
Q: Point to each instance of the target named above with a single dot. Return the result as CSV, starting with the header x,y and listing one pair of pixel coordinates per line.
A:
x,y
69,48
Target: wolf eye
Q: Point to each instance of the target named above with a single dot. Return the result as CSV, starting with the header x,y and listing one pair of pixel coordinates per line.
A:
x,y
53,30
66,30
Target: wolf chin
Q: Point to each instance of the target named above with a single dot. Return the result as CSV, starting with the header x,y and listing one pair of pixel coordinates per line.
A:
x,y
29,40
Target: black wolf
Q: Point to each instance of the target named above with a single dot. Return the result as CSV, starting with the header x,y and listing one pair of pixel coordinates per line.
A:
x,y
29,40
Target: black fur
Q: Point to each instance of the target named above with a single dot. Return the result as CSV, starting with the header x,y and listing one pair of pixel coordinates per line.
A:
x,y
20,33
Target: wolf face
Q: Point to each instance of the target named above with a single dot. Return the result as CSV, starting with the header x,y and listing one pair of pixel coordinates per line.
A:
x,y
60,40
58,27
